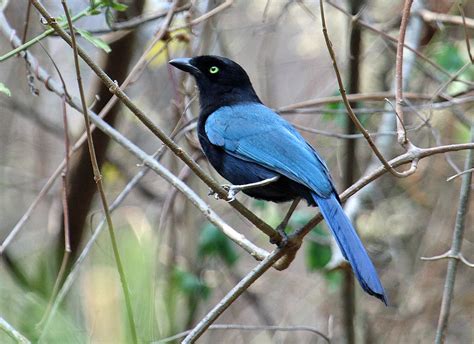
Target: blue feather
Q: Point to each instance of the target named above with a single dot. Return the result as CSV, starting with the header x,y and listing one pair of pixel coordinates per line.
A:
x,y
350,245
253,132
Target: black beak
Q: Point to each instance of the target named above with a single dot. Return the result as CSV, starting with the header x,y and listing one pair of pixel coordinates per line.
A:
x,y
185,65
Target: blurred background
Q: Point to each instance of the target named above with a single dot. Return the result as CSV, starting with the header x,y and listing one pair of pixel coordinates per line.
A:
x,y
177,264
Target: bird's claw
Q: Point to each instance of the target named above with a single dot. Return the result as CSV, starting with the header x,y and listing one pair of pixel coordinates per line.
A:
x,y
284,237
231,192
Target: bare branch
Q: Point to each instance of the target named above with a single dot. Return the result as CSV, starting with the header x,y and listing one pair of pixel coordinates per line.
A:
x,y
432,17
296,328
12,332
466,33
402,137
455,250
460,174
232,295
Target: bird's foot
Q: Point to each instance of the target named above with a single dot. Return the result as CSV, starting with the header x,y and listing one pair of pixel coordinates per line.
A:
x,y
284,237
232,190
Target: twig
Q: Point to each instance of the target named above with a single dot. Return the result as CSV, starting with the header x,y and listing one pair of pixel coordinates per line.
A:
x,y
140,20
98,180
402,137
455,250
354,118
430,17
67,244
460,174
232,295
295,328
356,97
466,34
27,21
12,332
24,46
205,16
450,255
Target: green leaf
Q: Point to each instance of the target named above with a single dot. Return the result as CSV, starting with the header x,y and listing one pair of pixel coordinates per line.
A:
x,y
94,40
213,243
4,89
118,6
190,284
448,56
318,254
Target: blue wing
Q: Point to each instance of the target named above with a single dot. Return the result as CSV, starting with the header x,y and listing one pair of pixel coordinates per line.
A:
x,y
253,132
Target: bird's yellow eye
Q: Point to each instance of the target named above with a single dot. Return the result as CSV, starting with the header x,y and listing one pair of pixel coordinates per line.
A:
x,y
213,70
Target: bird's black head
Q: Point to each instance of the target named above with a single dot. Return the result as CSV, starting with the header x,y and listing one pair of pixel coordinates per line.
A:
x,y
221,81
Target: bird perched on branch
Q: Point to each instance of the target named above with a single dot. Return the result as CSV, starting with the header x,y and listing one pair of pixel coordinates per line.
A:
x,y
264,156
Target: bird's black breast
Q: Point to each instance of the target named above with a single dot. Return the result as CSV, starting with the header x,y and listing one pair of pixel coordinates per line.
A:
x,y
238,171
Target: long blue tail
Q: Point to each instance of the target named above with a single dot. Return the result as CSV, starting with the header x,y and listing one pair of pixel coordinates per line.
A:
x,y
350,245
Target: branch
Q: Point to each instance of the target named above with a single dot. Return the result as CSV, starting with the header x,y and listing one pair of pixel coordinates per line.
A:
x,y
455,250
433,17
250,328
450,255
12,332
466,34
355,97
401,131
232,295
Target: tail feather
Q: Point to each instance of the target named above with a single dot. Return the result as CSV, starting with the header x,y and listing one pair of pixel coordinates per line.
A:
x,y
350,245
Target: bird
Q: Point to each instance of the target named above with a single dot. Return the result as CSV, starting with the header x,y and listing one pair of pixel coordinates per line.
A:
x,y
265,157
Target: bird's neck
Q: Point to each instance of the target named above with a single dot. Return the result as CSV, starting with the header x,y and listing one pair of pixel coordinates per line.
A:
x,y
212,99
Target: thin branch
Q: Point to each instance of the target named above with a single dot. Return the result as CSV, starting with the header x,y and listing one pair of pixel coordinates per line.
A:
x,y
140,20
430,17
98,180
67,244
21,48
402,137
460,174
354,118
27,21
296,328
355,97
450,255
455,250
232,295
466,33
12,332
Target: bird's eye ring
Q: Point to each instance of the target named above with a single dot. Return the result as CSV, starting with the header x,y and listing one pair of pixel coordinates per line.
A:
x,y
213,70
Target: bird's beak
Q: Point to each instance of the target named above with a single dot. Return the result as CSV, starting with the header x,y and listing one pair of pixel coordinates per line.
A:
x,y
185,65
